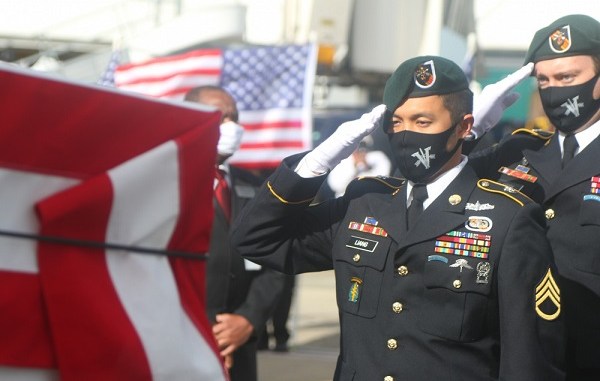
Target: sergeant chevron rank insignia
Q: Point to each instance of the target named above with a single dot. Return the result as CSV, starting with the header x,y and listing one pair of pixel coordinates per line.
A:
x,y
547,298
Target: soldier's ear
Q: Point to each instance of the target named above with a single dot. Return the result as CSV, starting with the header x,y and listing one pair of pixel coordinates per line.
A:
x,y
465,125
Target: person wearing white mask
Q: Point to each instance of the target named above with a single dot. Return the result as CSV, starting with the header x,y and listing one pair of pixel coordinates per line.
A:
x,y
240,296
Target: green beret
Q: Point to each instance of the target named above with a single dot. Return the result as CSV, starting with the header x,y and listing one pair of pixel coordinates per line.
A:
x,y
422,77
570,35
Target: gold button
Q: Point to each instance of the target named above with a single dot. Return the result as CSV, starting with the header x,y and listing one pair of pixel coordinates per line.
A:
x,y
457,283
392,344
403,270
549,214
454,199
356,257
397,307
388,378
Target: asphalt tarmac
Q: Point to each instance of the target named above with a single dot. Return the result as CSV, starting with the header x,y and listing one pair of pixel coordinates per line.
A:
x,y
314,328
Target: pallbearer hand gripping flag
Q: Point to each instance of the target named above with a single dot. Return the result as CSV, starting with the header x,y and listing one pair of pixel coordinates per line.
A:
x,y
272,86
89,164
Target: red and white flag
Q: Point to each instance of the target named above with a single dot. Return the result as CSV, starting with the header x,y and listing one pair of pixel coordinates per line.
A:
x,y
272,86
106,211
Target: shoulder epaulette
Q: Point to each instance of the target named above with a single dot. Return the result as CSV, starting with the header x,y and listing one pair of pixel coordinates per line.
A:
x,y
378,184
537,132
505,190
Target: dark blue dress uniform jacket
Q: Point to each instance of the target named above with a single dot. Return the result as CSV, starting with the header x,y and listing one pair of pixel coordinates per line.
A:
x,y
570,198
230,288
411,307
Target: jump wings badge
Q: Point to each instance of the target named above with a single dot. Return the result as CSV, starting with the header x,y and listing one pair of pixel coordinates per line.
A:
x,y
547,298
425,75
560,40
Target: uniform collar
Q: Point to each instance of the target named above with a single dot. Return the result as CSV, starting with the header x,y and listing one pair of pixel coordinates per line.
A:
x,y
435,188
584,138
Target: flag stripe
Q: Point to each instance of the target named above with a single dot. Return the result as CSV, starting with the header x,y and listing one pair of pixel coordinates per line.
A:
x,y
99,109
18,254
272,136
277,144
163,326
173,88
79,278
268,125
264,155
25,334
165,67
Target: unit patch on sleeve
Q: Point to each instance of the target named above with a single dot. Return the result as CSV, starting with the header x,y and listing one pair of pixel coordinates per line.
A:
x,y
354,289
466,244
547,298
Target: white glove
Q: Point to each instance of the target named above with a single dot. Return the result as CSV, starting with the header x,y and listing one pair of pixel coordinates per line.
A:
x,y
494,99
340,144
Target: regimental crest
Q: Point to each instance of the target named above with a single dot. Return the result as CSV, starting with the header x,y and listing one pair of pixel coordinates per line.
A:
x,y
547,298
560,39
425,75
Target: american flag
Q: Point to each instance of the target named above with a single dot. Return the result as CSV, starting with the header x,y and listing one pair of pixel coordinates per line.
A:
x,y
272,86
100,190
108,77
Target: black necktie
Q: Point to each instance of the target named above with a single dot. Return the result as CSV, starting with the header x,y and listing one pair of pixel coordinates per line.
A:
x,y
569,147
419,193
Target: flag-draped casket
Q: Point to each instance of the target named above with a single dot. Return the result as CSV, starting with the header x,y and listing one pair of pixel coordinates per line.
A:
x,y
105,216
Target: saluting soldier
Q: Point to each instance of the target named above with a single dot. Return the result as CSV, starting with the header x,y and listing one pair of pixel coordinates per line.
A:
x,y
443,276
563,174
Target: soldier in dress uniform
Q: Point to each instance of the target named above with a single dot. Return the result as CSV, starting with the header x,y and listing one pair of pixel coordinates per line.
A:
x,y
563,174
442,276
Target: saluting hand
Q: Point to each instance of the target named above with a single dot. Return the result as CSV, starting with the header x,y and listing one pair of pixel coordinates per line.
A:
x,y
340,144
489,106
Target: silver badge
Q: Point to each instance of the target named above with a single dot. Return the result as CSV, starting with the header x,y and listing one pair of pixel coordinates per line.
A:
x,y
483,272
461,263
478,206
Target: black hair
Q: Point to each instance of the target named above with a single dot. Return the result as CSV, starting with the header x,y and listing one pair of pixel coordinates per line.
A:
x,y
459,104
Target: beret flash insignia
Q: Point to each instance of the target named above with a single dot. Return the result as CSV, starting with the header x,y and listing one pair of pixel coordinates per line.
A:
x,y
560,39
425,75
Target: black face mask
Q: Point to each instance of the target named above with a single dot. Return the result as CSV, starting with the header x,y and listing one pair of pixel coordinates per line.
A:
x,y
420,156
570,107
